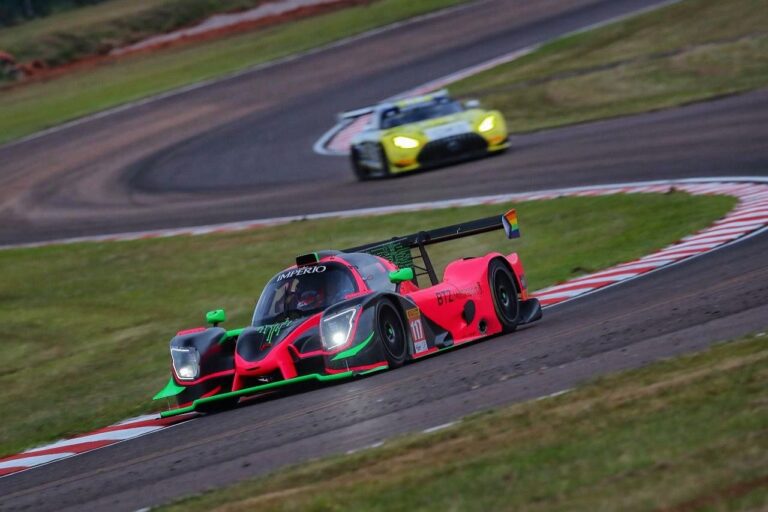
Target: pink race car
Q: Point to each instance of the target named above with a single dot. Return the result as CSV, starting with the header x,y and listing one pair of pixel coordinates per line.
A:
x,y
337,314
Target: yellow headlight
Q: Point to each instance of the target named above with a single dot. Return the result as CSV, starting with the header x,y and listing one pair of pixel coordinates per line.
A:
x,y
405,142
487,125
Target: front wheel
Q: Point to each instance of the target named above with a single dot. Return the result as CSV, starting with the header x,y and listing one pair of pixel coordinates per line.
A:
x,y
505,295
385,171
370,161
391,333
218,405
195,392
362,173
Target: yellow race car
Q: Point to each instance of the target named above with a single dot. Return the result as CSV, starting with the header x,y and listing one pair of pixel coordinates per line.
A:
x,y
424,132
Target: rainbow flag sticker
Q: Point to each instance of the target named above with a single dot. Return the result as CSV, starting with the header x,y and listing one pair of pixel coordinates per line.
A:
x,y
509,220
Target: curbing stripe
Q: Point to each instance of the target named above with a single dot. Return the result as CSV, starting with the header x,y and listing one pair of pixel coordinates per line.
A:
x,y
114,435
33,460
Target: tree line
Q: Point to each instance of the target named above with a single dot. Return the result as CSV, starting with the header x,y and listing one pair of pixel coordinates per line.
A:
x,y
13,12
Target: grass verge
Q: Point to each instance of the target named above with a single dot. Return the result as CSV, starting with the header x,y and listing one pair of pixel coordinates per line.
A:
x,y
96,29
686,434
86,326
687,52
35,106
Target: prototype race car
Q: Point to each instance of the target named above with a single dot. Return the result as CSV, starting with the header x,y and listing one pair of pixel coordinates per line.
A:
x,y
424,132
337,314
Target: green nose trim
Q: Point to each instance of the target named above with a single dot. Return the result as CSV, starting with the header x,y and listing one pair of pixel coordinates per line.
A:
x,y
170,389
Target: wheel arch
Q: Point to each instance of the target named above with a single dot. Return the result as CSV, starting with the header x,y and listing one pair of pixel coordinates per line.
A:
x,y
511,268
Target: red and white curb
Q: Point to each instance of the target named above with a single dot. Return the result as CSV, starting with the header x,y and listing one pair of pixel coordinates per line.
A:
x,y
269,11
128,429
747,219
749,216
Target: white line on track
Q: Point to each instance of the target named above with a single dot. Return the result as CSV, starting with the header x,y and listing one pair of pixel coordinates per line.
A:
x,y
437,428
555,394
366,447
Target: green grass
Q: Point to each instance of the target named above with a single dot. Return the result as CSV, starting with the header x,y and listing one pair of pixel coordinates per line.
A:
x,y
86,326
94,30
682,435
691,51
49,38
31,107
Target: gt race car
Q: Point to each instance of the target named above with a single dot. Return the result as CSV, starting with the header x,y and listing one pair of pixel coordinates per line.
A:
x,y
424,132
338,314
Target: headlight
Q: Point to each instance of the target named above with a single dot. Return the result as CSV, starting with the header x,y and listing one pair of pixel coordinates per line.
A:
x,y
405,142
336,329
487,125
186,362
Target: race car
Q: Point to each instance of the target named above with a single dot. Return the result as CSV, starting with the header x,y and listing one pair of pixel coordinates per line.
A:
x,y
424,132
339,314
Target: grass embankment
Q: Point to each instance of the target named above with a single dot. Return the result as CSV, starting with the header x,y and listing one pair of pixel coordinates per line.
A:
x,y
683,435
30,107
95,30
86,326
691,51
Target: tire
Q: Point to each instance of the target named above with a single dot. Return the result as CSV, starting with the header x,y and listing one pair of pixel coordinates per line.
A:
x,y
504,291
362,173
193,393
391,333
385,171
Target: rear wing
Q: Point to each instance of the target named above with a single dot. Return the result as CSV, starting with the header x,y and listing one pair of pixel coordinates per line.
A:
x,y
407,98
399,250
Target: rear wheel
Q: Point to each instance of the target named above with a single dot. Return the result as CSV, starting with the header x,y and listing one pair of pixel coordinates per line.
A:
x,y
391,333
505,295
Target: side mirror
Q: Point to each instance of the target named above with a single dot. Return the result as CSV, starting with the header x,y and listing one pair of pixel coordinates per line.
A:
x,y
402,275
472,104
215,317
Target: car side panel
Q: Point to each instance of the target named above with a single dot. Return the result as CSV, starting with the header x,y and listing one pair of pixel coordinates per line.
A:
x,y
463,303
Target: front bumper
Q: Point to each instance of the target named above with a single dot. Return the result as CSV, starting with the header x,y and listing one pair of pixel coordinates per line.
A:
x,y
458,148
316,377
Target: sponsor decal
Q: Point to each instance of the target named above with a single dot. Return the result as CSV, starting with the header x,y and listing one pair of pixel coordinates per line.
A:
x,y
316,269
271,330
417,330
446,296
396,252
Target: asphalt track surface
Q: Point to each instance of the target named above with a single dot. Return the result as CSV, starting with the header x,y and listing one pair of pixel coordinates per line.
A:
x,y
242,149
222,153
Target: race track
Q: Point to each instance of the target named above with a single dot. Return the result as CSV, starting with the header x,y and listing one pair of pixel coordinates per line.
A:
x,y
243,149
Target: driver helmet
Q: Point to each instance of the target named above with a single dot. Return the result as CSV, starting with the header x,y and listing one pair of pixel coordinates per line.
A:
x,y
310,299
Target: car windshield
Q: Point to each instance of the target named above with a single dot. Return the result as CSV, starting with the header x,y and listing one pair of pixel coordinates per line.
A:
x,y
302,292
396,116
